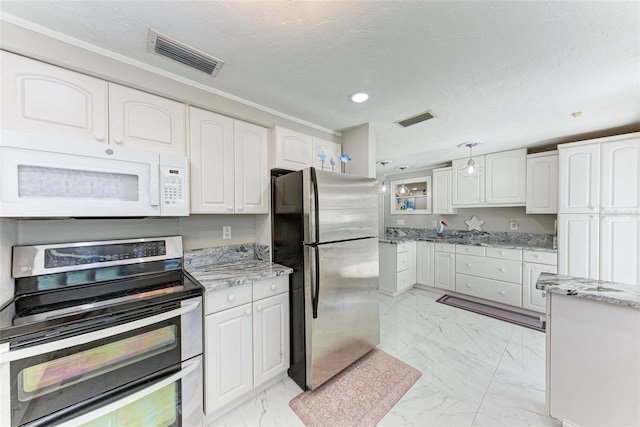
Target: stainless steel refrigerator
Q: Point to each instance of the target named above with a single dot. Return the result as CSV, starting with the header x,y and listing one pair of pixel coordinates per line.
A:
x,y
325,227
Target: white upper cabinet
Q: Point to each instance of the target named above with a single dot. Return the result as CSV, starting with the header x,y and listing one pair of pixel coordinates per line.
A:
x,y
468,191
506,178
229,171
330,150
251,168
620,248
579,190
620,176
442,182
141,120
211,154
542,183
292,150
42,98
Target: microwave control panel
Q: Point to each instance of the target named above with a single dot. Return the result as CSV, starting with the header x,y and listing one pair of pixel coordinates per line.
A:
x,y
173,187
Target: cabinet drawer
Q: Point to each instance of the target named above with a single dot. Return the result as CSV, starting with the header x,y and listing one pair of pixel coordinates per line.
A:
x,y
445,247
403,247
404,280
550,258
506,293
490,268
512,254
404,261
269,287
227,298
470,250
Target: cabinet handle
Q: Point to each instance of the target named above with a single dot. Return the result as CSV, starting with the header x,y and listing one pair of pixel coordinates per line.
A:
x,y
231,297
502,270
501,292
239,208
259,307
468,249
273,287
468,285
247,311
469,265
538,256
100,138
544,294
501,253
229,208
117,140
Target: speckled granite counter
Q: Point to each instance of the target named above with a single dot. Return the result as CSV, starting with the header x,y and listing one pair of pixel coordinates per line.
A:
x,y
599,290
529,246
222,276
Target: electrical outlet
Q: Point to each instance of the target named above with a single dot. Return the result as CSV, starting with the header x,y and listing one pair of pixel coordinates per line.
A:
x,y
514,224
226,232
400,222
434,223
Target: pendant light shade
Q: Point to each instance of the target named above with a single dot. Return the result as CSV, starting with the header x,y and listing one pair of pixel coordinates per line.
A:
x,y
383,188
402,190
471,169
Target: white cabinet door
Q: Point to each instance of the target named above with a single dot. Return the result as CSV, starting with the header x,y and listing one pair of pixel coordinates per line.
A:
x,y
534,299
211,155
468,191
579,177
424,260
578,245
442,182
620,248
621,176
330,150
141,120
228,356
506,178
251,168
42,98
293,150
270,337
542,183
445,270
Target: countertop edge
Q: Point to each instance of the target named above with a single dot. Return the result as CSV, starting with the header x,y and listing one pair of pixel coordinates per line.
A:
x,y
265,270
505,245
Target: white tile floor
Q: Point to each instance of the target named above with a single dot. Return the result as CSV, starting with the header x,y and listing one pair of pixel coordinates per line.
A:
x,y
476,371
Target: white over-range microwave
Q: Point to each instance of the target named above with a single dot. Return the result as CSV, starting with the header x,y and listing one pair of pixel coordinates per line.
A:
x,y
42,176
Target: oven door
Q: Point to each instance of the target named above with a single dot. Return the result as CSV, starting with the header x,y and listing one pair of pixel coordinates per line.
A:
x,y
39,179
59,378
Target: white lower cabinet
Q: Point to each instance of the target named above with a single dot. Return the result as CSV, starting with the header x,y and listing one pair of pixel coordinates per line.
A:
x,y
246,340
424,262
444,266
397,267
534,264
579,245
620,248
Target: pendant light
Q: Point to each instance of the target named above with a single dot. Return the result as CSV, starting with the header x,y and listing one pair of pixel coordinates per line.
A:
x,y
471,169
384,188
403,191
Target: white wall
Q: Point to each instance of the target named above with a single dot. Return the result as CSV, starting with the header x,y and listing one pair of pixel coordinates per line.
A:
x,y
496,219
360,144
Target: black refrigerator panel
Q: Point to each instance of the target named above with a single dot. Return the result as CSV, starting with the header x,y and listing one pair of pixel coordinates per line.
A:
x,y
287,236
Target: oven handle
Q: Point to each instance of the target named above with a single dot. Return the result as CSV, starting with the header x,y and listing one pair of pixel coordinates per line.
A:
x,y
187,368
7,355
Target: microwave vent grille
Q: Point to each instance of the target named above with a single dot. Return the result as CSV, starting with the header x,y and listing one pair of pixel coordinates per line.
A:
x,y
170,48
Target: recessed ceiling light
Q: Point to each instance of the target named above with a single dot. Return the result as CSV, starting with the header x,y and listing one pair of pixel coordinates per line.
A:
x,y
576,114
359,97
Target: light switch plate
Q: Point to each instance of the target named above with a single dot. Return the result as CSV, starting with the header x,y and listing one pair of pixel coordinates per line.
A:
x,y
400,222
226,232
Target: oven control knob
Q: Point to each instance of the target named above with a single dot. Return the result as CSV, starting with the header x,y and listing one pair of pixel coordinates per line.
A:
x,y
231,297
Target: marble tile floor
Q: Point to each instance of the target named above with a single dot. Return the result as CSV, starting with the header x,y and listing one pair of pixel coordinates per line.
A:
x,y
476,371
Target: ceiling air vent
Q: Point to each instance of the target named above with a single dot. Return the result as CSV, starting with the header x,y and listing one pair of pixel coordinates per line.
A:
x,y
170,48
414,120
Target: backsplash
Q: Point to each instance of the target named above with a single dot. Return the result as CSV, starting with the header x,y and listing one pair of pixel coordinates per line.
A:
x,y
534,239
225,254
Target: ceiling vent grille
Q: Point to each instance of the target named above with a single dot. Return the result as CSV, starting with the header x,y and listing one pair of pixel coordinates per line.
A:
x,y
170,48
414,120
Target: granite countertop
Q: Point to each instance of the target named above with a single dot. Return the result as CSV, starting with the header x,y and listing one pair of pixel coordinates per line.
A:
x,y
541,247
215,277
599,290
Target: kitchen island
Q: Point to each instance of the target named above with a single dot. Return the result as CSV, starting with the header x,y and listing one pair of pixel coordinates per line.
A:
x,y
593,351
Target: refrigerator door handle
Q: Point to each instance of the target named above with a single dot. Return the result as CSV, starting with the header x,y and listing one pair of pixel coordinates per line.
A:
x,y
315,288
316,213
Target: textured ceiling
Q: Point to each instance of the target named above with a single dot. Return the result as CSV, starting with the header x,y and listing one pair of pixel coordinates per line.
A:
x,y
509,73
